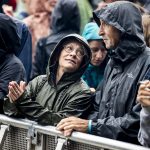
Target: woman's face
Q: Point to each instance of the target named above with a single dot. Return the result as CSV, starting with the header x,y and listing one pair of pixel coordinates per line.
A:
x,y
71,56
98,52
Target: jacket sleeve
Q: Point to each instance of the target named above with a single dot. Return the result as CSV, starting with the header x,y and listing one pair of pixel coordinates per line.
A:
x,y
77,105
123,128
144,133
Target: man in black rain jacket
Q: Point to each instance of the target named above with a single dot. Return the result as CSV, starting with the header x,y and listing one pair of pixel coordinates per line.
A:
x,y
115,112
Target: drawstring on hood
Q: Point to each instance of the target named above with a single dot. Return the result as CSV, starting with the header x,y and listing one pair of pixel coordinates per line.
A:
x,y
53,60
126,17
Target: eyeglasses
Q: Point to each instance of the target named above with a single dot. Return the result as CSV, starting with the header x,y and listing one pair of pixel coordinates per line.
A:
x,y
80,52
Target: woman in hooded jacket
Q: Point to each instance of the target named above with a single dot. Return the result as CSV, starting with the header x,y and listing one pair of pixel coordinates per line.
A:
x,y
11,67
60,27
59,94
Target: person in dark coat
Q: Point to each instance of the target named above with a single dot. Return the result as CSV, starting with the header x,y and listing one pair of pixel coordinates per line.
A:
x,y
65,20
115,113
11,67
95,71
59,94
25,52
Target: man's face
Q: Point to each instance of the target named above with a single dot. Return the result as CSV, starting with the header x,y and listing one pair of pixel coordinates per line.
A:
x,y
71,57
110,34
98,52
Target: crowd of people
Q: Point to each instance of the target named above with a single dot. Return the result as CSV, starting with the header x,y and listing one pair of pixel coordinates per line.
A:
x,y
62,65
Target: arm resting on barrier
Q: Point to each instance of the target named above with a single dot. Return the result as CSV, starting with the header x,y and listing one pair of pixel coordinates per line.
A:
x,y
69,124
123,128
120,128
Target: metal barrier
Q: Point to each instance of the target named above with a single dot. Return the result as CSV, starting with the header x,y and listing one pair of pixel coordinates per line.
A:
x,y
19,134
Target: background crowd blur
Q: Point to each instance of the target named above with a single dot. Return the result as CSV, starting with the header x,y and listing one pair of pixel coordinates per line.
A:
x,y
37,15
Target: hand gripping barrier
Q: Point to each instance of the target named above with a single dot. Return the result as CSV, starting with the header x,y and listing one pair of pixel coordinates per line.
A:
x,y
21,134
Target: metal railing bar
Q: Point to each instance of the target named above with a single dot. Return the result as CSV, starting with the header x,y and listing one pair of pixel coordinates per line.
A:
x,y
76,136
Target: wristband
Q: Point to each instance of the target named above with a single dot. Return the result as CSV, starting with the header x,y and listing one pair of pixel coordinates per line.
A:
x,y
90,126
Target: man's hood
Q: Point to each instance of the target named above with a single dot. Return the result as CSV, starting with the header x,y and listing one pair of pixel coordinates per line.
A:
x,y
66,17
126,17
10,40
53,60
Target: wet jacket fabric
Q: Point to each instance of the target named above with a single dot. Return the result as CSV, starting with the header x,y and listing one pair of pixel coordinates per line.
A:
x,y
94,75
144,132
60,26
45,101
11,68
116,114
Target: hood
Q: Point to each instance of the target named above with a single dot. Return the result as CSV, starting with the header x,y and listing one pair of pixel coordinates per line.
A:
x,y
10,40
65,17
90,32
126,17
53,60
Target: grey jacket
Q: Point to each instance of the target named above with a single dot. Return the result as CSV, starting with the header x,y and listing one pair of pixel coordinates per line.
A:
x,y
45,101
144,133
116,114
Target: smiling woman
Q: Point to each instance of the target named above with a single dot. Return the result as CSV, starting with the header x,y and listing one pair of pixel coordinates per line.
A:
x,y
59,94
71,57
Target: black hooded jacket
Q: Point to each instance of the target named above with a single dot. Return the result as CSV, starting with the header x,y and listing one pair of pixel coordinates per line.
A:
x,y
45,101
11,68
116,113
65,20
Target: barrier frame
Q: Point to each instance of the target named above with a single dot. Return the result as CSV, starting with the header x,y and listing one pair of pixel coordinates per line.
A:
x,y
33,128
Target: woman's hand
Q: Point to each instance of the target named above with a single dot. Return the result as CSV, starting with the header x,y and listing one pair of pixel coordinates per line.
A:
x,y
16,90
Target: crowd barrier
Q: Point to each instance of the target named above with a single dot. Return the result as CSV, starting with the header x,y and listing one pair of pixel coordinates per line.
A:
x,y
21,134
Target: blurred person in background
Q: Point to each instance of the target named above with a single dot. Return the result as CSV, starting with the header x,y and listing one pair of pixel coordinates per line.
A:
x,y
11,67
25,52
85,10
38,20
95,71
9,6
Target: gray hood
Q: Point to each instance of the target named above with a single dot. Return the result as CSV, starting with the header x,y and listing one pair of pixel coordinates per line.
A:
x,y
53,61
127,18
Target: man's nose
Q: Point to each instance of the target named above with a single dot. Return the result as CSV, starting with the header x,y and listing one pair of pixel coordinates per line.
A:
x,y
101,32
